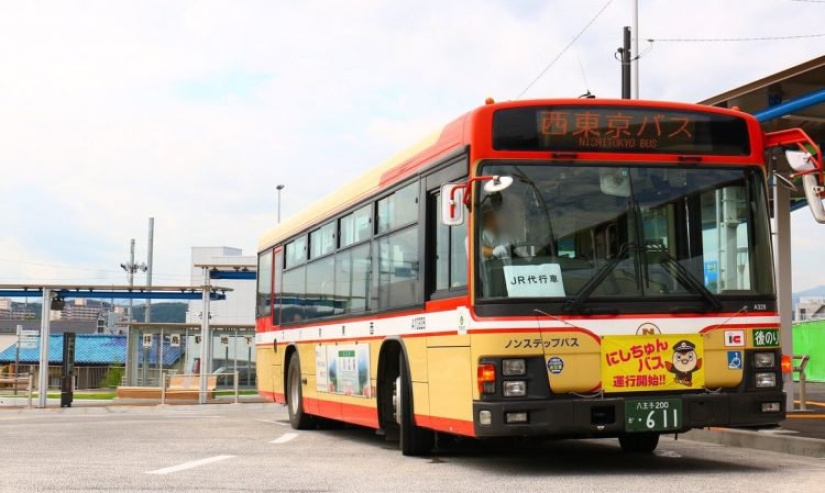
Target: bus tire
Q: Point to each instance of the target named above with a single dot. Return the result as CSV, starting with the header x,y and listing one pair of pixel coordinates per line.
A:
x,y
299,419
413,439
639,443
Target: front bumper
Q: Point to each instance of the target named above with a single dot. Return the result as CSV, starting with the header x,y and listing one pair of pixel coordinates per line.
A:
x,y
605,417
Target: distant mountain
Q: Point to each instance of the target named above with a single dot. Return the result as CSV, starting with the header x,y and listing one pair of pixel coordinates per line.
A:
x,y
163,312
818,292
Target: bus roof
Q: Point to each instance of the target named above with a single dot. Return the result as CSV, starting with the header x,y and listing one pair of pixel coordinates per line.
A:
x,y
397,167
450,138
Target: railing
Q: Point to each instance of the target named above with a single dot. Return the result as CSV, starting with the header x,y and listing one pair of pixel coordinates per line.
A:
x,y
25,380
189,383
800,368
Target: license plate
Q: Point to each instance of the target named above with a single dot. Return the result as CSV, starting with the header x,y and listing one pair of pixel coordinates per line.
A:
x,y
652,415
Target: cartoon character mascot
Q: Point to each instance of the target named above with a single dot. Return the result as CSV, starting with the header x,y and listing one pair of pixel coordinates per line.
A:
x,y
685,362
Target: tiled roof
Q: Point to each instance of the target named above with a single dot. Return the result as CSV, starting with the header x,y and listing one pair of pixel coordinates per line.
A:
x,y
92,349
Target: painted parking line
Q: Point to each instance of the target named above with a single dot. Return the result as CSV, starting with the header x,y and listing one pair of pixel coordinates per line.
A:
x,y
190,464
805,416
285,438
272,421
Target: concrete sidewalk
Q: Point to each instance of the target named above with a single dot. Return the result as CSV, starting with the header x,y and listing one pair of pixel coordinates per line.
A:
x,y
802,433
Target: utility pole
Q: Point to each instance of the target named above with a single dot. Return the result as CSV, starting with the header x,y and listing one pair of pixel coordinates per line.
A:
x,y
131,347
279,188
147,314
625,52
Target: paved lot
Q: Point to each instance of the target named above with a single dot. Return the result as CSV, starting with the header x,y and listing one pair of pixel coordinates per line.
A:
x,y
250,448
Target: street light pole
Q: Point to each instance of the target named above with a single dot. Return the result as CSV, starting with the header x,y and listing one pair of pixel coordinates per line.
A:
x,y
279,188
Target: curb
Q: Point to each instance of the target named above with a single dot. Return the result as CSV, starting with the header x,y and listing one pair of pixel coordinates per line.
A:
x,y
807,447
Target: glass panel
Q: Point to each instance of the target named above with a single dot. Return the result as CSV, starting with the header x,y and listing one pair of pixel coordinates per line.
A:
x,y
398,270
321,288
399,209
458,256
352,278
264,298
293,301
623,232
278,287
322,240
296,252
451,254
356,227
442,251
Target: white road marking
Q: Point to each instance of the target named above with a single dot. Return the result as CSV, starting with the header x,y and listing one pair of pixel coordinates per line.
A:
x,y
190,464
284,438
280,424
667,453
272,421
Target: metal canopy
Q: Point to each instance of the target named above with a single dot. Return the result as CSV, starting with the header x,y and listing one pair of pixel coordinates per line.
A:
x,y
112,292
230,271
791,98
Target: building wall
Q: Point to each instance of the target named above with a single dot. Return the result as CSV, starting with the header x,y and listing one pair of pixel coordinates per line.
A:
x,y
239,306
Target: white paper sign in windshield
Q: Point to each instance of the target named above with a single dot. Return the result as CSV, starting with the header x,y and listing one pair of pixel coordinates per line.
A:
x,y
533,281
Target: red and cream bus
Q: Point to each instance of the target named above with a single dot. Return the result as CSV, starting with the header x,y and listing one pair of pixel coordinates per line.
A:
x,y
558,268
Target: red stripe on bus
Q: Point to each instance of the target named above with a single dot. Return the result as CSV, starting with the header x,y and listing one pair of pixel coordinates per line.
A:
x,y
446,304
448,425
351,413
628,316
739,326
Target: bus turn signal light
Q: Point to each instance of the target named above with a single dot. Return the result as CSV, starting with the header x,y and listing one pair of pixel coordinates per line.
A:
x,y
486,378
787,364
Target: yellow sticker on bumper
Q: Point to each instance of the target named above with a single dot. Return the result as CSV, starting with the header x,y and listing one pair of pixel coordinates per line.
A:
x,y
652,362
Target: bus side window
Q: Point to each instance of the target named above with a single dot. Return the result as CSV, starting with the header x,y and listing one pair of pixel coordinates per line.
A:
x,y
450,252
277,285
264,298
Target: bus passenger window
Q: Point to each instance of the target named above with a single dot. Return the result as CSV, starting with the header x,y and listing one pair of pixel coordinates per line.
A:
x,y
399,209
450,254
356,227
398,271
264,298
294,295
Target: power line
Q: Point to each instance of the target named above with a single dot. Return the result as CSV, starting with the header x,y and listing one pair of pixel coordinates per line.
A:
x,y
727,40
564,50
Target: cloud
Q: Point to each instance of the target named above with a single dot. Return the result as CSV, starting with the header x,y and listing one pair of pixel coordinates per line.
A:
x,y
192,112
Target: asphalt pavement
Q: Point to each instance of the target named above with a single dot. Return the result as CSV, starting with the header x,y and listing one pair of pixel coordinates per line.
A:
x,y
251,448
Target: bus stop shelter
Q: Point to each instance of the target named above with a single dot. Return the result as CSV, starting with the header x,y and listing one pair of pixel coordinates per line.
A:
x,y
792,98
53,296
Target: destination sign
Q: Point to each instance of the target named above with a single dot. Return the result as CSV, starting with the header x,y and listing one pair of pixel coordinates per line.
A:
x,y
619,129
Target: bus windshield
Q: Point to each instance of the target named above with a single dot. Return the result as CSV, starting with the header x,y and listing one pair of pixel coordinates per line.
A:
x,y
615,231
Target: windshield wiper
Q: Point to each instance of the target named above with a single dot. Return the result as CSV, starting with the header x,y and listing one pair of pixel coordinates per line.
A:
x,y
686,278
597,279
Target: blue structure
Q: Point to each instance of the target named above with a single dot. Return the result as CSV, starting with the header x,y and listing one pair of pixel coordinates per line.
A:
x,y
93,350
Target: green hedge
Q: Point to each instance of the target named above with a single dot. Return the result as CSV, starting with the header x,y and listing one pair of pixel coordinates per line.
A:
x,y
809,338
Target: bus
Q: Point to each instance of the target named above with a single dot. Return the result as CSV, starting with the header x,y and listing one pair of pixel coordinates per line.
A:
x,y
548,268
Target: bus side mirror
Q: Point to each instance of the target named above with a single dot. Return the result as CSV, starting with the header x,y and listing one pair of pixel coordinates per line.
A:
x,y
802,162
452,204
813,191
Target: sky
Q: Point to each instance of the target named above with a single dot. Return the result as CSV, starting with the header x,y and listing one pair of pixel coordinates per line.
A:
x,y
192,112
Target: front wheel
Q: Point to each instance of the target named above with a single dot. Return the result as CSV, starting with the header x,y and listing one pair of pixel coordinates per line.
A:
x,y
639,443
299,419
414,439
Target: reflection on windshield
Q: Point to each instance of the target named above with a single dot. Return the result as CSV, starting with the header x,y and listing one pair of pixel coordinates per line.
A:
x,y
582,232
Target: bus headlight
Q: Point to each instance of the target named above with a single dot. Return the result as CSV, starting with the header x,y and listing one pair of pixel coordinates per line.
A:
x,y
515,388
765,380
513,367
764,359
